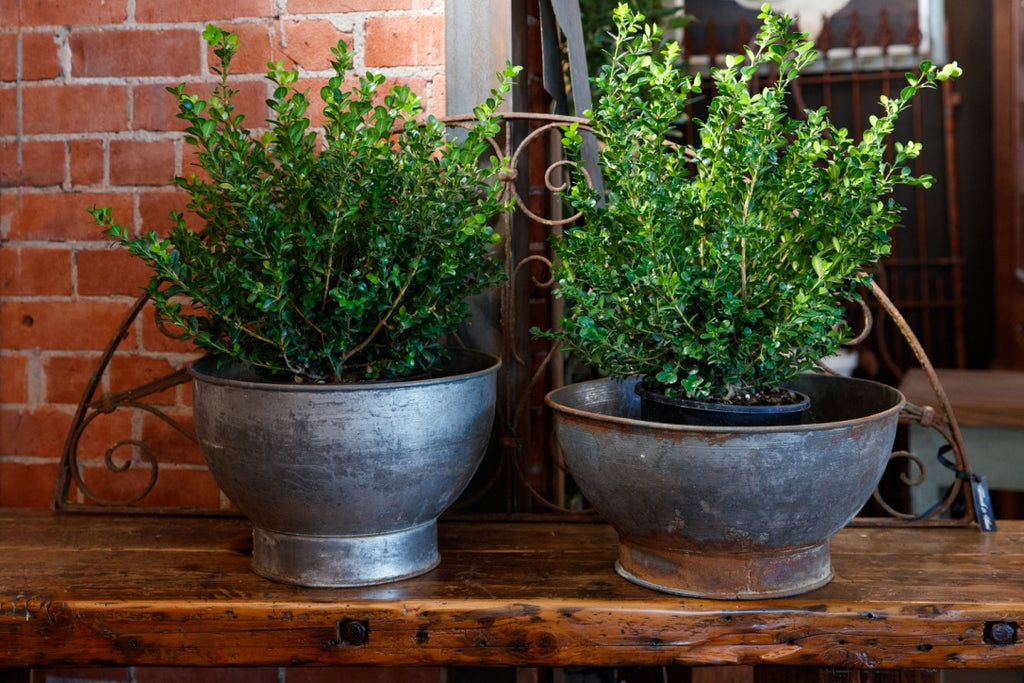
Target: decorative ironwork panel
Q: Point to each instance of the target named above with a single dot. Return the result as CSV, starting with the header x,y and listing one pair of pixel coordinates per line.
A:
x,y
851,35
524,473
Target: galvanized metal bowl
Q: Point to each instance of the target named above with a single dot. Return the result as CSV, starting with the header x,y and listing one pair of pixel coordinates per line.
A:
x,y
728,512
344,483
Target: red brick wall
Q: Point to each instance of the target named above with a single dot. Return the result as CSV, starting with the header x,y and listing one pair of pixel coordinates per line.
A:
x,y
85,120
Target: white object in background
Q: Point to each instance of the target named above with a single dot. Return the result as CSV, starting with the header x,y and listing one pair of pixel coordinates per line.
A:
x,y
844,362
812,14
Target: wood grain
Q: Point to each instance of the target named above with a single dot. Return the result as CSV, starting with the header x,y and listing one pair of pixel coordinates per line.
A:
x,y
980,398
111,590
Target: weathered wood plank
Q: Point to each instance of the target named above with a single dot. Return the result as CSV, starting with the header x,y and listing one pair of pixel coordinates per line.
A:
x,y
992,398
99,590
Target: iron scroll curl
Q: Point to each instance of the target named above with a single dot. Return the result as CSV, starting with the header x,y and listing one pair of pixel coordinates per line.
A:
x,y
532,145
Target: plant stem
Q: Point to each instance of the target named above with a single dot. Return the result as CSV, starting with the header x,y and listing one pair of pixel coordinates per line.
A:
x,y
384,319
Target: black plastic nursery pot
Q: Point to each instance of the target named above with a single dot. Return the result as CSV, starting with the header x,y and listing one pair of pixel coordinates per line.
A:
x,y
655,406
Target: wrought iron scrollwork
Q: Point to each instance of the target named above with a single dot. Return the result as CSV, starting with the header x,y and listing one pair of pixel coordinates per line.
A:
x,y
529,274
946,425
141,454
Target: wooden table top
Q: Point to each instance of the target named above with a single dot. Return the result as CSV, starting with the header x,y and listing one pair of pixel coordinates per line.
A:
x,y
81,589
980,398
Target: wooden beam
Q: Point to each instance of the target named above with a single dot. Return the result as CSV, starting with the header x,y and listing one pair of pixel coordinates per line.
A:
x,y
109,590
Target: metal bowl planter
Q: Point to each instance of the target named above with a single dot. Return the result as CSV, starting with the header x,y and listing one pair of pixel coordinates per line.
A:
x,y
727,512
344,482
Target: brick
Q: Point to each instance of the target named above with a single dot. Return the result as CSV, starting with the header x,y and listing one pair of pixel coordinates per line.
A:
x,y
194,488
130,371
111,271
65,377
159,674
13,379
74,109
174,485
72,12
161,11
141,162
8,111
318,6
36,432
170,443
39,56
154,339
401,40
35,271
308,43
62,325
58,216
190,165
86,161
257,45
166,52
124,487
438,105
103,433
185,391
9,56
155,109
155,209
31,164
26,485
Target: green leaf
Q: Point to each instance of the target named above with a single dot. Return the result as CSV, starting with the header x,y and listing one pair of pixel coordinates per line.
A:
x,y
723,267
820,266
339,257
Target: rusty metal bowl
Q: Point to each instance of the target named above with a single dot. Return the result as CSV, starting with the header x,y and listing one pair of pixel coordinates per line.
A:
x,y
727,512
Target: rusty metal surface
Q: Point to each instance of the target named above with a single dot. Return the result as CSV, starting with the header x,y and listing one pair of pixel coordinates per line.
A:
x,y
725,575
683,497
71,491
